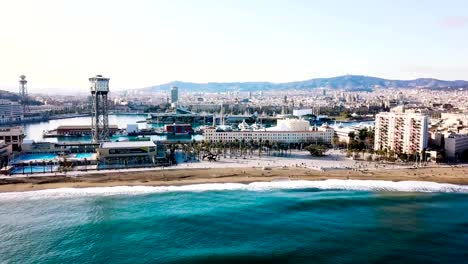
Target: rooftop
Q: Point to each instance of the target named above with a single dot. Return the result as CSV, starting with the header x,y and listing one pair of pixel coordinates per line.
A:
x,y
128,144
16,129
82,127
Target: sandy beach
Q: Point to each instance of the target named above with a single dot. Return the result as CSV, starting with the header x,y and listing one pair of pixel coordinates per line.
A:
x,y
455,175
299,165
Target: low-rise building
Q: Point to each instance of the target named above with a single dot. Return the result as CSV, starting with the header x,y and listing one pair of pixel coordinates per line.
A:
x,y
456,147
178,128
31,147
343,133
287,131
10,112
128,153
81,130
13,136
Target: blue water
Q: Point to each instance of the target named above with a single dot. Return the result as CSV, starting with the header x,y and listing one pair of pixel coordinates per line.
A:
x,y
302,225
84,155
34,169
34,131
39,156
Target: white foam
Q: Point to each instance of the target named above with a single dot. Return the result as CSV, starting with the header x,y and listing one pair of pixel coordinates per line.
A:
x,y
358,185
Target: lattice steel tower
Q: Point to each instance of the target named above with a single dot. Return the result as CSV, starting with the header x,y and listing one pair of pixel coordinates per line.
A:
x,y
99,113
23,93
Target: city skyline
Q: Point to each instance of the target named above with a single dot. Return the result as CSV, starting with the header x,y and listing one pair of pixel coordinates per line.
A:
x,y
225,131
149,43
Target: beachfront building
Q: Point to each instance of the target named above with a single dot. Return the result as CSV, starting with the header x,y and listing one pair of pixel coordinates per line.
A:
x,y
80,130
456,147
10,112
129,153
401,132
32,147
286,131
12,136
342,133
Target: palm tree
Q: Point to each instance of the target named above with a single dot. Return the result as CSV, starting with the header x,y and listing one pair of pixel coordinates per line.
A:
x,y
391,155
230,149
259,147
268,146
85,164
223,144
210,145
51,163
243,147
30,167
44,166
219,147
274,147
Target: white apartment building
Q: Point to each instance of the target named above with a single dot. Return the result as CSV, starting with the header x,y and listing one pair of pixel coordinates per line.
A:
x,y
455,146
401,132
10,112
286,131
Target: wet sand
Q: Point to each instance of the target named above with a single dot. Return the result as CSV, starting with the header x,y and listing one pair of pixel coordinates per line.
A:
x,y
454,175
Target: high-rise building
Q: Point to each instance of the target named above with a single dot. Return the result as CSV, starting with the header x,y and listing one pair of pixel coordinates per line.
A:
x,y
401,132
174,95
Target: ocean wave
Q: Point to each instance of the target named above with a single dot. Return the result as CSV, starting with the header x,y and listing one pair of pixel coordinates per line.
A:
x,y
355,185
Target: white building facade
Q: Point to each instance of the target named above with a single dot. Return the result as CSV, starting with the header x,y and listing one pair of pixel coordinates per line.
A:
x,y
10,112
288,131
455,146
401,132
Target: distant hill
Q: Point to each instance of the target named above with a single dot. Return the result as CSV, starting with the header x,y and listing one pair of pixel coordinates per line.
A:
x,y
6,95
346,82
9,96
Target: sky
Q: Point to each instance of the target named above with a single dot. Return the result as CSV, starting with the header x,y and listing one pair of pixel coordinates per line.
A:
x,y
59,44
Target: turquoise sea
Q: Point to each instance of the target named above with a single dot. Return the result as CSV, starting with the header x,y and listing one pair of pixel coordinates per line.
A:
x,y
279,222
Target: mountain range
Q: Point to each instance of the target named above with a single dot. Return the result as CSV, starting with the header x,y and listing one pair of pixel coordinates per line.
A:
x,y
6,95
346,82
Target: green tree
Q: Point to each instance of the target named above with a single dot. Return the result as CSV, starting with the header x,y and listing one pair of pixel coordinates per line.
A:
x,y
316,150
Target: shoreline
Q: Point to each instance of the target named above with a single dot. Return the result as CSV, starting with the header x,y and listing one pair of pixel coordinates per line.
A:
x,y
189,176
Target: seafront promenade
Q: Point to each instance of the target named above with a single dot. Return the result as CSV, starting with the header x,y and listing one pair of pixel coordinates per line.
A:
x,y
297,166
333,160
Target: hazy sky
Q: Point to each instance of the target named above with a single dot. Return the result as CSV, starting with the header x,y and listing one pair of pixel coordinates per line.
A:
x,y
59,44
